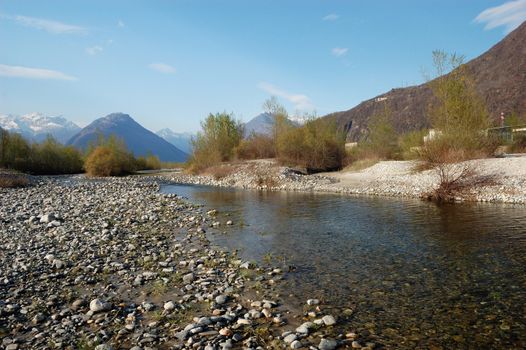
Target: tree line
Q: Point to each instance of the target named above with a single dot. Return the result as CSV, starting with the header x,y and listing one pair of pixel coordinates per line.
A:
x,y
105,157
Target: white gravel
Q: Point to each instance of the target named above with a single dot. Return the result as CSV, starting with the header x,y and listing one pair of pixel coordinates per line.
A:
x,y
386,178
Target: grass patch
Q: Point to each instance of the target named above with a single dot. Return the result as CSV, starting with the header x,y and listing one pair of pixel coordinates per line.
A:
x,y
13,181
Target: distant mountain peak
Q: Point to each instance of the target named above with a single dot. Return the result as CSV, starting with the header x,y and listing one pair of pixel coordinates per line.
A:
x,y
138,139
181,140
37,126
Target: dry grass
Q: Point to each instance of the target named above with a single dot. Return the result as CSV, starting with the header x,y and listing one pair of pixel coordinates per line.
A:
x,y
219,172
362,164
266,181
13,181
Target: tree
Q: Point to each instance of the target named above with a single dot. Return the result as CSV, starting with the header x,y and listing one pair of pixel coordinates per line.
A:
x,y
220,135
459,114
272,106
460,118
382,140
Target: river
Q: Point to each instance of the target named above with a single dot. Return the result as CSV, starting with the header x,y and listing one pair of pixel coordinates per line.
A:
x,y
413,273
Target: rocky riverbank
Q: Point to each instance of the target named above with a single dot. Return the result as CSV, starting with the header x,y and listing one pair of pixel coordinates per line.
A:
x,y
113,263
497,180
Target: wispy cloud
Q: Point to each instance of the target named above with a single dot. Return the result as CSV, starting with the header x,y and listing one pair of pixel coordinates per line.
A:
x,y
120,24
331,17
32,73
94,50
300,102
339,51
508,15
47,25
162,68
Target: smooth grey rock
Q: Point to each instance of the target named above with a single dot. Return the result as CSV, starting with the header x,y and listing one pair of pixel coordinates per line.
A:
x,y
97,305
328,344
329,320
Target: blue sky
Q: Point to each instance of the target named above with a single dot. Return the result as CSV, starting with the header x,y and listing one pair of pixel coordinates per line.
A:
x,y
170,63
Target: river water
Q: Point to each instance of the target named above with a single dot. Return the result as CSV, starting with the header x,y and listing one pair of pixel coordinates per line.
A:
x,y
414,274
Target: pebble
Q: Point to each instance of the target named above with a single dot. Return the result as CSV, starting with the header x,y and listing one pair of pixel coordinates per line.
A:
x,y
97,305
220,299
169,306
120,245
329,320
327,344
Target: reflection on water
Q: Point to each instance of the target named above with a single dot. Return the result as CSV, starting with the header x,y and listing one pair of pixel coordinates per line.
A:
x,y
416,275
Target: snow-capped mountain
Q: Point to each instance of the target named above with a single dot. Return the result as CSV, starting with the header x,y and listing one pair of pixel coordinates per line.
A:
x,y
139,140
37,126
181,140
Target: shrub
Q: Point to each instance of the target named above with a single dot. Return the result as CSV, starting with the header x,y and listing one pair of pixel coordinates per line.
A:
x,y
110,158
103,161
458,113
13,181
256,146
382,139
219,172
150,162
220,136
318,145
410,144
46,158
519,143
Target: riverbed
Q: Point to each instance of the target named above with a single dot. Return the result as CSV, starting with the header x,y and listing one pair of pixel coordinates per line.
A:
x,y
410,273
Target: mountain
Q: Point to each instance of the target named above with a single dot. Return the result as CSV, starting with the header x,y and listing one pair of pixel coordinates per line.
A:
x,y
37,126
138,139
181,140
499,76
260,124
264,122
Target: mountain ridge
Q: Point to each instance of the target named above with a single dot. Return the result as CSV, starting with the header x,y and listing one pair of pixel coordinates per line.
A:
x,y
139,140
181,140
499,75
37,126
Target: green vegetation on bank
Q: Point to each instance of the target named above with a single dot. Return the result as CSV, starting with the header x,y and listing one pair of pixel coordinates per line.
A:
x,y
317,145
107,157
111,157
46,158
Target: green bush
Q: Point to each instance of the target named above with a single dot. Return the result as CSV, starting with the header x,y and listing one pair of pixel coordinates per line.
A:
x,y
459,115
411,143
150,162
46,158
220,136
381,141
317,145
519,144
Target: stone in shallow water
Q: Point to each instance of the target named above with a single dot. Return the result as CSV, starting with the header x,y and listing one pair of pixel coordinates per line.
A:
x,y
290,338
296,344
304,328
329,320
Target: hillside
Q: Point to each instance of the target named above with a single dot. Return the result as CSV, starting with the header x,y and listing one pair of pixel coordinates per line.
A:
x,y
499,75
138,139
37,126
